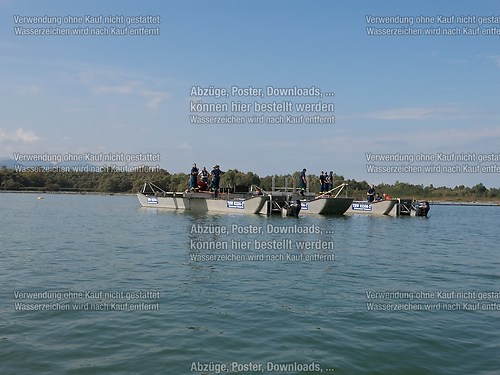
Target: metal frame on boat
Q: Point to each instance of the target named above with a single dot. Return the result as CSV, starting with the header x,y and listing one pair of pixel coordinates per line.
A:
x,y
410,207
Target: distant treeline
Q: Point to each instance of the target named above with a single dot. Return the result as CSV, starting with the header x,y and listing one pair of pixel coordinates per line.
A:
x,y
131,182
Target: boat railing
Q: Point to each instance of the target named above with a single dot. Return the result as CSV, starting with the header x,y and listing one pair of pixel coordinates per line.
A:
x,y
257,190
339,188
289,184
149,188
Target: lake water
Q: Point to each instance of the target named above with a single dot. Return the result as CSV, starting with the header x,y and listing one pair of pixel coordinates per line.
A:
x,y
97,285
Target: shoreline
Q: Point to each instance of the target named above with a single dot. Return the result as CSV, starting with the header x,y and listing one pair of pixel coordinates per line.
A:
x,y
64,192
441,202
464,203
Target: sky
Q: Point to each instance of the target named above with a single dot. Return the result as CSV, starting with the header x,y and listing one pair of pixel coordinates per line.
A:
x,y
400,101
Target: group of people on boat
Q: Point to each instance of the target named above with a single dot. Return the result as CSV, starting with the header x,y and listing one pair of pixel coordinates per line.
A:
x,y
325,181
373,196
199,180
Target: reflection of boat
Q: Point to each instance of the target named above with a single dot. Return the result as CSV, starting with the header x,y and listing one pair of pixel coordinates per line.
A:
x,y
372,208
200,201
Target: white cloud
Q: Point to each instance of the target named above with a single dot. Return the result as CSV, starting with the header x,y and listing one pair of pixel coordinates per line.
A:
x,y
456,61
154,98
495,59
122,89
185,146
415,113
27,90
105,81
20,135
415,140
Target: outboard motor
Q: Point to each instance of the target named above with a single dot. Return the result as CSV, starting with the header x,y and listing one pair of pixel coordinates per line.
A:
x,y
296,207
422,208
293,209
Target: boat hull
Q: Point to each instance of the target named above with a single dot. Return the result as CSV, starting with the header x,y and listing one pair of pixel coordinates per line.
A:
x,y
371,208
200,203
325,206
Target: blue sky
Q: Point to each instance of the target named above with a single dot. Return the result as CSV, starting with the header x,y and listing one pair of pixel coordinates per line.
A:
x,y
130,94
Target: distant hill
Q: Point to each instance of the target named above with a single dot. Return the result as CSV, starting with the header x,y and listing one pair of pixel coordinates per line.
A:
x,y
9,163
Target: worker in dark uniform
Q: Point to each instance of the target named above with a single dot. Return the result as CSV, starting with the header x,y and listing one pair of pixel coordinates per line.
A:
x,y
193,179
216,172
303,182
327,182
331,181
322,182
371,193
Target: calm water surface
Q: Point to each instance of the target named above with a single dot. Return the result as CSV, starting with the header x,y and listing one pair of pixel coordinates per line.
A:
x,y
97,285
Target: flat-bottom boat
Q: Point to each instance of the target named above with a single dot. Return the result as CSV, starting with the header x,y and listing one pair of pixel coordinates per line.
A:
x,y
201,201
288,203
256,202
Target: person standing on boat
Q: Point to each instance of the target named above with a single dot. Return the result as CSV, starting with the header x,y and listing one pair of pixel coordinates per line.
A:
x,y
302,182
322,182
204,175
193,179
216,172
327,182
371,193
331,181
204,179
